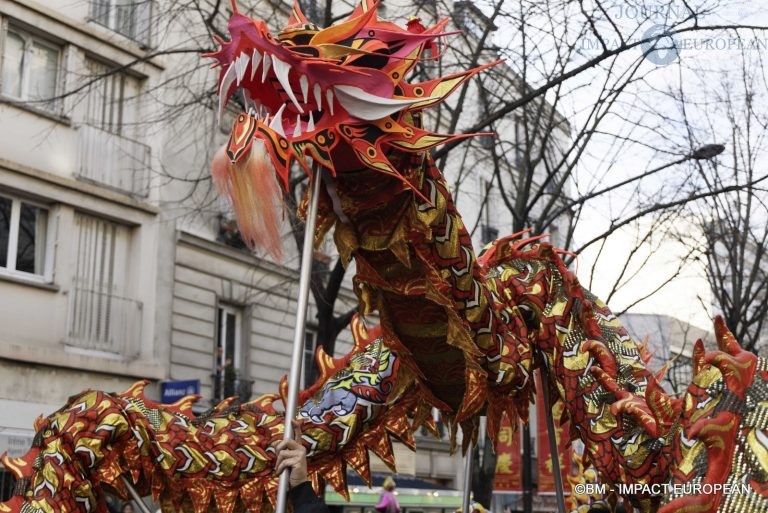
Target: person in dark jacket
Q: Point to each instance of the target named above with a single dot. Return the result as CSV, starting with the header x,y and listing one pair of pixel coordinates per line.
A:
x,y
292,455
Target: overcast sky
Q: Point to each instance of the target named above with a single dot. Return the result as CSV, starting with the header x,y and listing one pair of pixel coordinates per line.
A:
x,y
688,296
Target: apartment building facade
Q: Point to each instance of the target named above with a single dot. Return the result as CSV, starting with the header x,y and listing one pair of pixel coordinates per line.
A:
x,y
78,218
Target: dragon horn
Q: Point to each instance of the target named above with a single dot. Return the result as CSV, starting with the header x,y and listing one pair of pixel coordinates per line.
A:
x,y
726,342
297,17
363,7
698,356
234,6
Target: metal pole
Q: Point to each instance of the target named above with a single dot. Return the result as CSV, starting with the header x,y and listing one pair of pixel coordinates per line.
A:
x,y
294,377
527,469
467,478
553,448
135,495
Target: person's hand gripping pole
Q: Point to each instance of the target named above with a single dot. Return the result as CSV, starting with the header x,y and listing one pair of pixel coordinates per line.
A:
x,y
292,455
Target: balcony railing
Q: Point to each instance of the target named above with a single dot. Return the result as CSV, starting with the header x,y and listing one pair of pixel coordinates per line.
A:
x,y
104,322
112,160
229,234
131,18
232,386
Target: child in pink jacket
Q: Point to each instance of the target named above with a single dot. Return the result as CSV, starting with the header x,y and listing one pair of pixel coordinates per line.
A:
x,y
388,501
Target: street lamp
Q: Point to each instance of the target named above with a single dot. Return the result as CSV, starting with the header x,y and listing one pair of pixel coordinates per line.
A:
x,y
706,152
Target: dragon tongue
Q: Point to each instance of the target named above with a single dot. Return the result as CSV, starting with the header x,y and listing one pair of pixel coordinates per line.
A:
x,y
241,65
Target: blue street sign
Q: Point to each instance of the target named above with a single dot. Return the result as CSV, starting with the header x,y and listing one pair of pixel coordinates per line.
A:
x,y
172,391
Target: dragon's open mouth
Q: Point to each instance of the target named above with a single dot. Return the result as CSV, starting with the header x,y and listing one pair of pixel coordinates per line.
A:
x,y
294,91
292,103
286,111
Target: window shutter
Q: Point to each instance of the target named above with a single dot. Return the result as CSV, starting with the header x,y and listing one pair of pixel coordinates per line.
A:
x,y
101,317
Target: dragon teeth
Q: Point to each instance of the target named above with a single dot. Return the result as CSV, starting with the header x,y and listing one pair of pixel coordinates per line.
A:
x,y
266,63
237,72
226,83
297,128
318,96
329,100
304,84
311,123
248,101
277,121
255,60
241,64
281,72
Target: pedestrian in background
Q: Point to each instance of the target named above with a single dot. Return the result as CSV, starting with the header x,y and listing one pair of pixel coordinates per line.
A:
x,y
388,501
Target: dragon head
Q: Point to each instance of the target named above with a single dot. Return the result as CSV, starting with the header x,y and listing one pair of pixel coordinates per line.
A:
x,y
338,95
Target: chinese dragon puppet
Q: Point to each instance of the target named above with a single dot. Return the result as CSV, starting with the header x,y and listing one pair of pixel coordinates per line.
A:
x,y
458,332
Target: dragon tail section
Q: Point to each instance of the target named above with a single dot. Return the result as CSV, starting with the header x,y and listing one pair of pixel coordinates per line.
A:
x,y
705,452
719,446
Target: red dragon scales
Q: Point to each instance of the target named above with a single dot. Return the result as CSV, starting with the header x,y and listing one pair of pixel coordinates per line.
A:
x,y
457,332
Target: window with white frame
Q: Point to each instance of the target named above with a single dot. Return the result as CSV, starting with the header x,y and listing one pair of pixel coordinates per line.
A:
x,y
109,154
131,18
30,69
23,234
102,315
227,376
111,99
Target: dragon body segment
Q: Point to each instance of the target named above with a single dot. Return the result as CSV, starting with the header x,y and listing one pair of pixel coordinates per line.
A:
x,y
458,332
224,457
